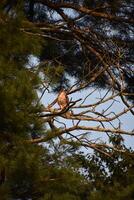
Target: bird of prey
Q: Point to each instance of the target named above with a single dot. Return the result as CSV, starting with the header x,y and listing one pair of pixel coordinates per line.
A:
x,y
63,100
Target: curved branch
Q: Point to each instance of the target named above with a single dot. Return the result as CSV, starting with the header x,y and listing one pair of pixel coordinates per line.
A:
x,y
87,11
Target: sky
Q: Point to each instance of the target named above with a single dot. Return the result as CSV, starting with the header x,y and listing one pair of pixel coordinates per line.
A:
x,y
127,119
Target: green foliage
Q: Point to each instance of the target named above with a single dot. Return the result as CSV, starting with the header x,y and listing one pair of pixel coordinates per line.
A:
x,y
31,171
18,102
26,170
54,73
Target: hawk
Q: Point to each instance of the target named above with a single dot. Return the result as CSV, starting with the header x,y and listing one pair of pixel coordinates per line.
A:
x,y
63,100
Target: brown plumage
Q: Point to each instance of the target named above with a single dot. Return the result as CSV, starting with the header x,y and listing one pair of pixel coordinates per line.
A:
x,y
63,100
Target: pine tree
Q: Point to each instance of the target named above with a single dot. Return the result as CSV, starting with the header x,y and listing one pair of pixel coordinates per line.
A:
x,y
27,171
18,96
32,171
